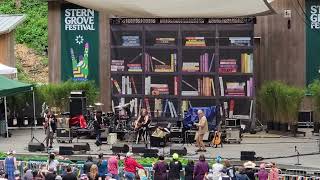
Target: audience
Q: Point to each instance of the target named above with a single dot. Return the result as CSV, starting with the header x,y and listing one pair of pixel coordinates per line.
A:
x,y
229,170
188,170
241,175
70,175
160,169
274,172
113,166
87,165
249,166
130,166
262,173
50,175
175,167
201,168
93,174
52,163
102,166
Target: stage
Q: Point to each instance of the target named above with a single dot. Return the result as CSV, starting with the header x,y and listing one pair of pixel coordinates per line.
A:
x,y
269,146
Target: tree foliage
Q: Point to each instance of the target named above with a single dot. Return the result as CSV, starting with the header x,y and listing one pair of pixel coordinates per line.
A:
x,y
34,30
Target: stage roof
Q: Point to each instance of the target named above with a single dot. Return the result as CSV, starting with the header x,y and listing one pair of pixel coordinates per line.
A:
x,y
179,8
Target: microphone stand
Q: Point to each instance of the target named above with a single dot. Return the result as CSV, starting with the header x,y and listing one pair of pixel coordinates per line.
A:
x,y
298,156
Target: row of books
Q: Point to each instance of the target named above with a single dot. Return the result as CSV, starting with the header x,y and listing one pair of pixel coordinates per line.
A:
x,y
195,41
159,89
246,63
162,108
205,88
240,41
165,41
130,40
153,64
202,66
128,85
228,66
227,110
117,65
236,88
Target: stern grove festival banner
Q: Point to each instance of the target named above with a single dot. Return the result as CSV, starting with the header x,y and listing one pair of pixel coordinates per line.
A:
x,y
79,43
312,40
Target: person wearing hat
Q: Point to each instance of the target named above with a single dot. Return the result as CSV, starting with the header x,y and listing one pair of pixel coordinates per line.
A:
x,y
10,165
249,166
202,129
274,172
130,166
262,173
201,168
175,167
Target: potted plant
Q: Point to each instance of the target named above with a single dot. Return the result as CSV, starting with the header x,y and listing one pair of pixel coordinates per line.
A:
x,y
268,103
314,89
293,102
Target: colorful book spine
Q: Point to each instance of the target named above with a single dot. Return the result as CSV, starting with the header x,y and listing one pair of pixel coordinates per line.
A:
x,y
176,85
221,86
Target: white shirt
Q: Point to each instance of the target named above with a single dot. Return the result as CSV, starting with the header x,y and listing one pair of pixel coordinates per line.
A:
x,y
53,164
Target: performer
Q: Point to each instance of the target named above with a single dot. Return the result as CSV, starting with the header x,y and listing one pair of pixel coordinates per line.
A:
x,y
97,123
50,126
141,125
202,129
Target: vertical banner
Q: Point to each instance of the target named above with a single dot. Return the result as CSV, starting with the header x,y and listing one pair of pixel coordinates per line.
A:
x,y
79,43
312,40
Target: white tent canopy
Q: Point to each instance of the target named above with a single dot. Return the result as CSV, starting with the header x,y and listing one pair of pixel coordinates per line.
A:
x,y
179,8
5,70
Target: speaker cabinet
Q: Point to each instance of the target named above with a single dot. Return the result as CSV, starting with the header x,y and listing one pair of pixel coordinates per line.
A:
x,y
35,146
81,147
138,148
157,142
182,151
77,106
151,153
65,150
120,148
247,156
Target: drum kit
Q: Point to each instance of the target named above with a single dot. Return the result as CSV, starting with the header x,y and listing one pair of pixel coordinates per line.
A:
x,y
119,120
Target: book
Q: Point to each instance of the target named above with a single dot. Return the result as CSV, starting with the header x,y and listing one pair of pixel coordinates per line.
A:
x,y
175,85
189,93
165,108
213,88
146,101
225,107
123,83
135,106
129,87
221,86
231,109
157,107
240,41
211,63
116,84
134,86
147,85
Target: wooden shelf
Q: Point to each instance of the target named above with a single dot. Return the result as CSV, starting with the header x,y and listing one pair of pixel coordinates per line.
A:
x,y
162,73
126,47
125,73
199,97
198,47
161,47
236,47
128,95
236,97
162,96
236,74
198,73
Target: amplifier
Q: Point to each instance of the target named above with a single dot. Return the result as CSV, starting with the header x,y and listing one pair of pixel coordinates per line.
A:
x,y
138,148
63,132
65,150
182,151
35,146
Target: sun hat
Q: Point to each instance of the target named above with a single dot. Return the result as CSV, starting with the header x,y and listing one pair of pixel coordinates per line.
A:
x,y
58,178
175,156
262,166
249,165
129,154
11,152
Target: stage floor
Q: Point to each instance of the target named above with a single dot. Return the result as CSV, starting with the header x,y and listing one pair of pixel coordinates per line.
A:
x,y
275,148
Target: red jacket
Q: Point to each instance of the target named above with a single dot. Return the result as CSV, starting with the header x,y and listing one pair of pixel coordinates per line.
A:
x,y
131,164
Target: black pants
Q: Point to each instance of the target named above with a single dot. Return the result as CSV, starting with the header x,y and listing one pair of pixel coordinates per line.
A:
x,y
144,133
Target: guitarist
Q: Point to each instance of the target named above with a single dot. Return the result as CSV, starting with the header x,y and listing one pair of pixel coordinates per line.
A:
x,y
50,127
141,125
202,129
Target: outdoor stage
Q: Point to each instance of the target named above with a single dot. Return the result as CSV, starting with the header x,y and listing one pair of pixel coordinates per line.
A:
x,y
272,147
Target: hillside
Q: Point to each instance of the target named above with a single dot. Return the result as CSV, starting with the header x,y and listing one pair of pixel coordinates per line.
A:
x,y
31,38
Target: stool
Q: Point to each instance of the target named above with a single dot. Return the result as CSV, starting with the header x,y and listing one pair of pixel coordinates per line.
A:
x,y
112,138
